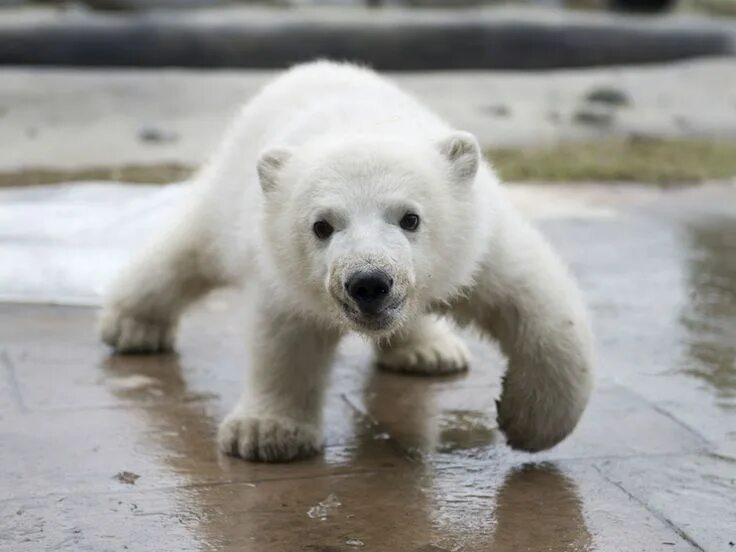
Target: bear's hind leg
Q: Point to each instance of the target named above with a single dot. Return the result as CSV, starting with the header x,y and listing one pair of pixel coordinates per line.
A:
x,y
142,309
428,346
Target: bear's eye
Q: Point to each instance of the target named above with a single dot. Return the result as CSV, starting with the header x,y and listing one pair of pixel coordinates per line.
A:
x,y
322,229
410,222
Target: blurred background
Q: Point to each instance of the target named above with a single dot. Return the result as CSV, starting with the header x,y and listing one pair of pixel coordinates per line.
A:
x,y
613,122
718,7
646,86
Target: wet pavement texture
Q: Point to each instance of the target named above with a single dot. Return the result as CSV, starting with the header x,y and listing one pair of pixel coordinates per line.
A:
x,y
117,453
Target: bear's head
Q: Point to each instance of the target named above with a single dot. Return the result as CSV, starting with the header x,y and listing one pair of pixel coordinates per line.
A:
x,y
368,232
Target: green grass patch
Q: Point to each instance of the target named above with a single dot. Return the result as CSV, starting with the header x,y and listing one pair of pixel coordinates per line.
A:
x,y
150,174
660,161
710,7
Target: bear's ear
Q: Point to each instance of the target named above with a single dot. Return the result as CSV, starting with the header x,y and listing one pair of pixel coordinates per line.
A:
x,y
269,166
462,151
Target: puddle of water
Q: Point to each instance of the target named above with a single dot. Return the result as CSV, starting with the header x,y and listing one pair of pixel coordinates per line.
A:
x,y
709,317
465,429
132,382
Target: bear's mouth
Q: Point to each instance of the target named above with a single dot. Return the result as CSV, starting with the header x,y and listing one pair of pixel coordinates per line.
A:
x,y
379,321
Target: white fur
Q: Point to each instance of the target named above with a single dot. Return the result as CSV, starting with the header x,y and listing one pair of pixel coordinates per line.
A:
x,y
427,346
335,142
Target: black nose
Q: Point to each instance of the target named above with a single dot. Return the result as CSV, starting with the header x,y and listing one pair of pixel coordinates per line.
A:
x,y
370,290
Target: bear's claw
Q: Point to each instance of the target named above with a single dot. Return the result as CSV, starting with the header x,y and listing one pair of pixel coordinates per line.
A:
x,y
268,439
442,353
127,334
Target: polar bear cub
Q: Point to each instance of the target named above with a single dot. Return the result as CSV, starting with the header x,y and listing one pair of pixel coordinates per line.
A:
x,y
342,204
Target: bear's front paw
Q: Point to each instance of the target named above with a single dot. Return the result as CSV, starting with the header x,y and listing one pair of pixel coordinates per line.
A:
x,y
534,425
129,334
441,354
264,439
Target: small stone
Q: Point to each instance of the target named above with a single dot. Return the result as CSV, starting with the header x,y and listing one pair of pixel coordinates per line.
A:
x,y
127,477
354,542
609,96
498,110
598,116
157,135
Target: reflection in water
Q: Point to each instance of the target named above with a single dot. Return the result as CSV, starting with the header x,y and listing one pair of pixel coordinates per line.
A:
x,y
476,496
179,436
437,481
180,420
710,316
466,430
538,508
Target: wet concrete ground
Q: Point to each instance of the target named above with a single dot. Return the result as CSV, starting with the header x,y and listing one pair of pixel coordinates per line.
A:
x,y
412,464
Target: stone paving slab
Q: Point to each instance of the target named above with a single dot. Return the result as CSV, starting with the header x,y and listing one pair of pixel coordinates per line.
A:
x,y
405,510
388,487
682,490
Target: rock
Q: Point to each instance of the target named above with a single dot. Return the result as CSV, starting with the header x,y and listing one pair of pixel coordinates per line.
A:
x,y
593,115
127,477
609,96
498,110
157,135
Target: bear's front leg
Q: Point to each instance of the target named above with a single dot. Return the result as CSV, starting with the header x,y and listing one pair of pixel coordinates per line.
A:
x,y
525,299
426,346
279,416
